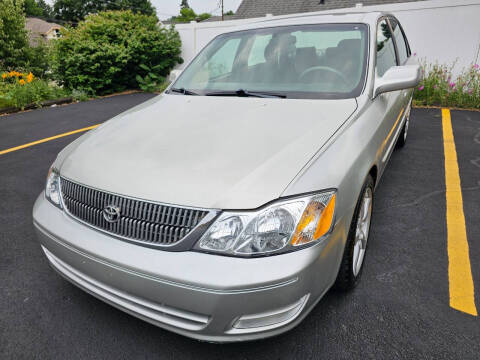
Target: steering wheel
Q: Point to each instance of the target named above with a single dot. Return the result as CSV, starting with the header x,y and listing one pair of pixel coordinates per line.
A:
x,y
324,68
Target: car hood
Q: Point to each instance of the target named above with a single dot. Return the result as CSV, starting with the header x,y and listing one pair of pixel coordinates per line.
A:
x,y
209,152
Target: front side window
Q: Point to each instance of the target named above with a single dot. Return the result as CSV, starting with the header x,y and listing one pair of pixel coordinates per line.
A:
x,y
313,61
400,41
386,57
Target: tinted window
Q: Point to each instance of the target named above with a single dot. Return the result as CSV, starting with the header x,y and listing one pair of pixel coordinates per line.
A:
x,y
385,49
400,41
312,61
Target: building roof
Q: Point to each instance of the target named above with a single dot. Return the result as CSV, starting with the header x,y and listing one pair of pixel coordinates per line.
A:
x,y
40,26
38,29
259,8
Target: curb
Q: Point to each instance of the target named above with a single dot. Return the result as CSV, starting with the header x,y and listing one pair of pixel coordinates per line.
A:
x,y
62,101
47,103
444,107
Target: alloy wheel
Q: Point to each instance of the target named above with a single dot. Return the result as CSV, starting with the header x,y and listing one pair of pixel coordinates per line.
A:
x,y
362,231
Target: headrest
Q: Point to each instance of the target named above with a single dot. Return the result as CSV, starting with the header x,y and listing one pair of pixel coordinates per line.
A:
x,y
349,43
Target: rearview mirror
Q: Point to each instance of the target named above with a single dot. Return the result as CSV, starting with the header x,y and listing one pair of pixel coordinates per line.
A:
x,y
174,74
398,78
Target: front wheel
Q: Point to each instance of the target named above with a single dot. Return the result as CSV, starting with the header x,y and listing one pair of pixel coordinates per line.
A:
x,y
356,246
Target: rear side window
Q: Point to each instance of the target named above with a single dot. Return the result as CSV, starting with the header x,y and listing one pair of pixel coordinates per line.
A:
x,y
386,57
400,41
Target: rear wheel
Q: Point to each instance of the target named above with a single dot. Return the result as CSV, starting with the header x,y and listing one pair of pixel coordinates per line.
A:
x,y
356,246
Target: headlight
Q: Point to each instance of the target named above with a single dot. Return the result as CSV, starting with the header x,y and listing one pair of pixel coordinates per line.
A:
x,y
280,227
52,189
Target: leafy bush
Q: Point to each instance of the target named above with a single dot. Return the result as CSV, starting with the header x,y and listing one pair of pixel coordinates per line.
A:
x,y
38,59
104,53
19,89
151,82
439,87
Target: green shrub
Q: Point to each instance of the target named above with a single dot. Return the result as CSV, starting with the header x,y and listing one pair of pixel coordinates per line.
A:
x,y
38,59
104,53
151,82
439,87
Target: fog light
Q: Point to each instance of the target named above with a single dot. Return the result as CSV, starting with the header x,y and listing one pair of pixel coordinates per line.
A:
x,y
271,317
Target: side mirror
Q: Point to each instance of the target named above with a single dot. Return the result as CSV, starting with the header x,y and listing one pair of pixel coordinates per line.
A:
x,y
174,74
398,78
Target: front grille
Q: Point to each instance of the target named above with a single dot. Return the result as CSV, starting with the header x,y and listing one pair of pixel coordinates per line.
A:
x,y
139,220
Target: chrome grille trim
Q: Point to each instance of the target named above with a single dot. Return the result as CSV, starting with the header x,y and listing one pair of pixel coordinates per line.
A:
x,y
149,223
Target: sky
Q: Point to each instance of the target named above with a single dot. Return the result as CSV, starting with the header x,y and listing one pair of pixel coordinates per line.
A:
x,y
167,8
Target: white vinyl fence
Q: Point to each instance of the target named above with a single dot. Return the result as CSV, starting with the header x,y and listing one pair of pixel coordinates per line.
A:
x,y
442,31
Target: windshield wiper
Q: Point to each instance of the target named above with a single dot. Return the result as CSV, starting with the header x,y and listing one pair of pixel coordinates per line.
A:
x,y
183,91
246,93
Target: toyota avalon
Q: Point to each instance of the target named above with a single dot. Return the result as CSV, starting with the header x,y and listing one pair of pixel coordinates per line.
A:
x,y
226,207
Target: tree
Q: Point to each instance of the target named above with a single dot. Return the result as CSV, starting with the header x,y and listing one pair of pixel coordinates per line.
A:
x,y
46,8
32,8
144,7
203,17
13,36
187,15
184,5
77,10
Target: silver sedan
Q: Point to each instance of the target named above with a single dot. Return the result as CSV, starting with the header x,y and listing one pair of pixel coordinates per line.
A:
x,y
225,208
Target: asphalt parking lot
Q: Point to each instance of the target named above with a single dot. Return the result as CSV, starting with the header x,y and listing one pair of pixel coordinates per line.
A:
x,y
400,310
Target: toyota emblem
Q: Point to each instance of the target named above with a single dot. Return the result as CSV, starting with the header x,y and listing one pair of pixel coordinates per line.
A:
x,y
111,213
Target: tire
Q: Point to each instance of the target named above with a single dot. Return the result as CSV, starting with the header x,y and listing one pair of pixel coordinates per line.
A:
x,y
350,270
402,139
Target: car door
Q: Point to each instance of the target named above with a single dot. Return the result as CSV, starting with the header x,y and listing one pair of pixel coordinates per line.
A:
x,y
391,104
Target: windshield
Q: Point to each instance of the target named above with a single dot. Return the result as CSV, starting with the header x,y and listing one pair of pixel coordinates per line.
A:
x,y
313,61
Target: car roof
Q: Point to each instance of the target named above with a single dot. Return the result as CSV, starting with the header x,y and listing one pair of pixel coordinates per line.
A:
x,y
314,18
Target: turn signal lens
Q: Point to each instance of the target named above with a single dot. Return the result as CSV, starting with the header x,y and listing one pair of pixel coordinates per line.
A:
x,y
316,221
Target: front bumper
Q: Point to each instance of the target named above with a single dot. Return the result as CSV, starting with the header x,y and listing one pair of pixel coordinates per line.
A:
x,y
198,295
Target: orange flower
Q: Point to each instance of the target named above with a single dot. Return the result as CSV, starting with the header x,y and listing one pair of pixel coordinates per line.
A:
x,y
30,77
11,73
4,75
22,82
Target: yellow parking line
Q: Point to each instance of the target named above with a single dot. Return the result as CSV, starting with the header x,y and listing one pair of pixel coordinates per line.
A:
x,y
2,152
462,293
